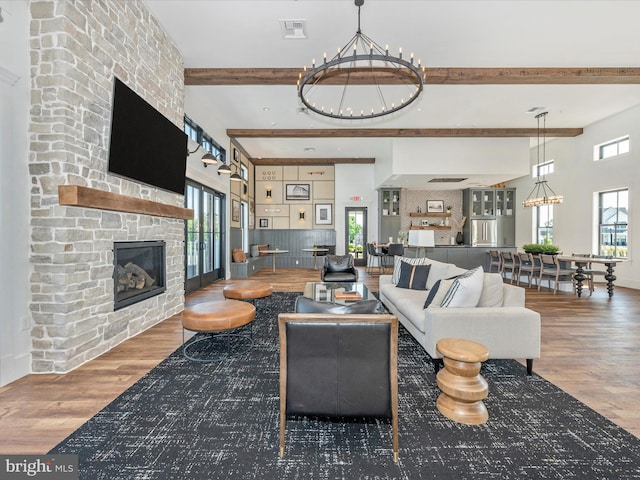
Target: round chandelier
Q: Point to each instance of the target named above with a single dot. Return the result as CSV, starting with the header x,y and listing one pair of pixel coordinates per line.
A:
x,y
361,81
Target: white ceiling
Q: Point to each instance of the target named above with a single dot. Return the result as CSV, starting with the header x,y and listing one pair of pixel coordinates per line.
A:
x,y
246,33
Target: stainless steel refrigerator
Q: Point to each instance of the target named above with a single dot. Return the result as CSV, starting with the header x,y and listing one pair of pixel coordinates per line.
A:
x,y
484,233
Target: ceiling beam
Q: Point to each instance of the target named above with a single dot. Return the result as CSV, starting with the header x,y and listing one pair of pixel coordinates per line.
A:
x,y
310,161
433,76
399,132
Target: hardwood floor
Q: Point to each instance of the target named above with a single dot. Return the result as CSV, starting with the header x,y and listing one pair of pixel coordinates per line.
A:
x,y
589,349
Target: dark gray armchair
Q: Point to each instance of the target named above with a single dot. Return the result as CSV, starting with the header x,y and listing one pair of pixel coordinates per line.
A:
x,y
339,365
338,268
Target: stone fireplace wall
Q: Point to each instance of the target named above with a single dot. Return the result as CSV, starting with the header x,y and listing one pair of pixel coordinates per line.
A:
x,y
76,49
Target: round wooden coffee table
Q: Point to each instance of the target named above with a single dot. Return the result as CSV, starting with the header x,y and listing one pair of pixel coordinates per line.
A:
x,y
462,386
217,319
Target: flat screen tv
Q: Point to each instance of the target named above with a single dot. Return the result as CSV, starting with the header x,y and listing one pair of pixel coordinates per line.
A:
x,y
144,144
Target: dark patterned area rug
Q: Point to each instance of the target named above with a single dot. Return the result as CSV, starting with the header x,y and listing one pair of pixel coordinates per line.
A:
x,y
220,421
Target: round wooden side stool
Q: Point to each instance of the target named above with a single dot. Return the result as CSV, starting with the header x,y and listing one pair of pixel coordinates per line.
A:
x,y
462,386
247,290
217,319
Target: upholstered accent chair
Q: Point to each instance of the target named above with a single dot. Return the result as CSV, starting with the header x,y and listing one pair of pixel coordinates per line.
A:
x,y
339,268
338,365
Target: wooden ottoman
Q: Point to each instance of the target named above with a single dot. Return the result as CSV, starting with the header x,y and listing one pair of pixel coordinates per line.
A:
x,y
462,386
247,290
216,319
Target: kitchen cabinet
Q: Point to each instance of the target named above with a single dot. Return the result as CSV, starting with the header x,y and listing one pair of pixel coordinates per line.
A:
x,y
479,203
389,218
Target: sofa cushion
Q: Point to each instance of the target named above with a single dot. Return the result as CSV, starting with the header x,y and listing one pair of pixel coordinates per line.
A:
x,y
437,271
465,290
492,291
413,276
438,292
308,305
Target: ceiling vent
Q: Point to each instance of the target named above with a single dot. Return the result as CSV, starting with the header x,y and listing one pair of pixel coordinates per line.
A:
x,y
292,29
447,180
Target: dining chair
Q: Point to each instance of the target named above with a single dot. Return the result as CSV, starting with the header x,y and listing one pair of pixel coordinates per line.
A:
x,y
373,256
593,272
550,267
586,271
509,265
529,267
392,250
495,261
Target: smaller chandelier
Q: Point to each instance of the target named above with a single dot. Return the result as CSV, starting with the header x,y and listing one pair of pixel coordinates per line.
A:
x,y
542,193
361,81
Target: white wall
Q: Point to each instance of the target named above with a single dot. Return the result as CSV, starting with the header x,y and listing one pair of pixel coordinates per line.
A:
x,y
15,337
578,178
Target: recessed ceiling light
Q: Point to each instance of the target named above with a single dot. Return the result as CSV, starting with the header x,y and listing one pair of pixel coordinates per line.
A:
x,y
309,149
265,109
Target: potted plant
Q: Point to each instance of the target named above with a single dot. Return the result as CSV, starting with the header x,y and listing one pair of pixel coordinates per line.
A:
x,y
537,248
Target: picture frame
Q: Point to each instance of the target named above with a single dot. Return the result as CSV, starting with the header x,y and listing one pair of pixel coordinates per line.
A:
x,y
235,210
298,191
264,223
435,206
324,214
424,222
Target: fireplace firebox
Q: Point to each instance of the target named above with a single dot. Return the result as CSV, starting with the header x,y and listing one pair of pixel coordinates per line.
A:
x,y
139,271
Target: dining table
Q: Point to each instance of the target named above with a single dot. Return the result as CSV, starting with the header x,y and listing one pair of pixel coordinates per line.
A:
x,y
581,261
315,251
273,254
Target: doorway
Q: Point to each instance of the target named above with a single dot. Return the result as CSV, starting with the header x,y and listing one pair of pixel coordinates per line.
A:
x,y
204,246
356,234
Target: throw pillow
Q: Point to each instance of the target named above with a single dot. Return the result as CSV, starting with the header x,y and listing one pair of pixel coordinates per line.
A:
x,y
413,277
492,291
438,292
465,290
238,255
397,260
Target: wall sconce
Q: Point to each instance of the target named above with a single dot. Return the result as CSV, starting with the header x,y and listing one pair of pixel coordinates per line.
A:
x,y
268,193
301,215
207,159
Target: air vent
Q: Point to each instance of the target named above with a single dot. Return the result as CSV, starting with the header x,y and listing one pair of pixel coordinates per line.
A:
x,y
447,180
292,29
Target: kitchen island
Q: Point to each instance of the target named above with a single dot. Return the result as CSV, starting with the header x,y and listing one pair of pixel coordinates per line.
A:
x,y
464,256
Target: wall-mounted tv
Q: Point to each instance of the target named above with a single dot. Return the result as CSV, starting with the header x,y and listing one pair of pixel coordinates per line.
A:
x,y
144,144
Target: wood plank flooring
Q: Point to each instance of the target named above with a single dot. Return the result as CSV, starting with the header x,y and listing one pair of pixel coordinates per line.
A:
x,y
589,349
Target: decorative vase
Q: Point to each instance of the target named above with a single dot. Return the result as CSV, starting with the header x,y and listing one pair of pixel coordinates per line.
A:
x,y
446,221
459,239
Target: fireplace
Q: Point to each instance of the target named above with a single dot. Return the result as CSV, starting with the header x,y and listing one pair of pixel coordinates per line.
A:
x,y
139,271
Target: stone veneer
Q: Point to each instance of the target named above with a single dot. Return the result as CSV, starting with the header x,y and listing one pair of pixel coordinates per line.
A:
x,y
76,49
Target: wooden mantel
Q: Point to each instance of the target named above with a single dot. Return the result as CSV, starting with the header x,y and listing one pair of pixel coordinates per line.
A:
x,y
79,196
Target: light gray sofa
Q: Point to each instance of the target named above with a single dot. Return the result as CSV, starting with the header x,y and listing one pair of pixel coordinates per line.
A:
x,y
500,321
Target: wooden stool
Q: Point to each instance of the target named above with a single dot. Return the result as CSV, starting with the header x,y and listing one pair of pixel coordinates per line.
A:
x,y
216,319
462,386
247,290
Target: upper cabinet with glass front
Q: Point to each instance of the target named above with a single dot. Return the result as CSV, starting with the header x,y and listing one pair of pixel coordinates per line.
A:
x,y
480,203
505,202
390,202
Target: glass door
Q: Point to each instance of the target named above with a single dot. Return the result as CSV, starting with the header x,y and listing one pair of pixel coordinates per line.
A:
x,y
356,234
204,237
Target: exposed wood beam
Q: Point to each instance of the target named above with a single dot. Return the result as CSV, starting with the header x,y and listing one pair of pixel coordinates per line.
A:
x,y
433,76
399,132
310,161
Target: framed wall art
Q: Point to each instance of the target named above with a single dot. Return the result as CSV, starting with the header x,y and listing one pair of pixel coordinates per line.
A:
x,y
435,206
264,223
298,191
323,214
235,211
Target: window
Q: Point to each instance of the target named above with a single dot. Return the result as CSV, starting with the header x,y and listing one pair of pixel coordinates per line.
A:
x,y
195,133
543,169
611,148
613,227
544,224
